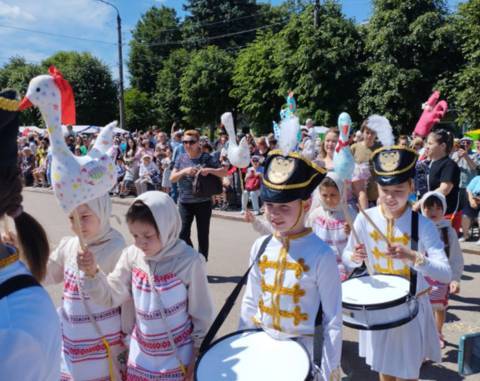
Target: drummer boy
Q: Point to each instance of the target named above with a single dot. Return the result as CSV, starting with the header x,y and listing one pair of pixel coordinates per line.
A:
x,y
295,282
398,353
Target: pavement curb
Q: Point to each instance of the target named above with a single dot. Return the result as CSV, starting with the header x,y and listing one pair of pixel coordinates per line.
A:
x,y
233,216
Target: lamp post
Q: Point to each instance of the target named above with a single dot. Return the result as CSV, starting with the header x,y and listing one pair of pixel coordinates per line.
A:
x,y
121,100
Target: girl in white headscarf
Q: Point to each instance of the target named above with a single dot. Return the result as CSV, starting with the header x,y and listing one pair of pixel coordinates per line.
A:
x,y
86,343
327,217
168,282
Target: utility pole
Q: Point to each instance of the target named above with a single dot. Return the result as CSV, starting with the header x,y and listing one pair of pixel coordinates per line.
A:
x,y
316,9
121,101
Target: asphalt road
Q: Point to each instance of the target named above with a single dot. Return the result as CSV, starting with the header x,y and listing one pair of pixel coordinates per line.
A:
x,y
230,243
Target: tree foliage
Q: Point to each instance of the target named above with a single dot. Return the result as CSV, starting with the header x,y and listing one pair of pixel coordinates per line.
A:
x,y
468,85
139,111
16,74
409,45
254,85
93,86
205,86
323,66
154,37
168,94
209,19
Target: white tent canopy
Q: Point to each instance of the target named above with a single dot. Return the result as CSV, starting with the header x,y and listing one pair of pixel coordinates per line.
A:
x,y
85,129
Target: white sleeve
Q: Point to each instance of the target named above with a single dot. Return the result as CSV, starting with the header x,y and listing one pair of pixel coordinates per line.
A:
x,y
113,290
330,291
436,265
350,247
56,263
252,291
456,255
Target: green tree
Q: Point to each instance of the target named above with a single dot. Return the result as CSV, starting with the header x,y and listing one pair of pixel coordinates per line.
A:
x,y
92,83
16,74
156,34
254,85
205,85
323,65
168,95
139,111
468,78
409,45
209,19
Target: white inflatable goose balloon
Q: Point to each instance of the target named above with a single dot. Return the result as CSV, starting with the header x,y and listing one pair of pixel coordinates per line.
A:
x,y
238,154
75,179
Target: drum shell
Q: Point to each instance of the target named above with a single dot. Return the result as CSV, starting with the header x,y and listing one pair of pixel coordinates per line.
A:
x,y
310,376
380,317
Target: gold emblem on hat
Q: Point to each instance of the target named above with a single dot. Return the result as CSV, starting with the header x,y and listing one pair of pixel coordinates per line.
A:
x,y
280,169
389,161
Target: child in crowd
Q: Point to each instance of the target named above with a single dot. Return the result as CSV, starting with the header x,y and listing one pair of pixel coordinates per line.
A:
x,y
433,206
166,167
167,280
85,355
327,217
253,180
295,280
148,176
398,353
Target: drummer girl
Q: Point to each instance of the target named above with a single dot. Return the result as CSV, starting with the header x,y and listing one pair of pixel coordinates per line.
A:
x,y
434,206
397,353
295,281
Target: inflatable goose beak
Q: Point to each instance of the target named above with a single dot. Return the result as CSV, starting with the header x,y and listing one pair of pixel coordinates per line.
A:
x,y
25,104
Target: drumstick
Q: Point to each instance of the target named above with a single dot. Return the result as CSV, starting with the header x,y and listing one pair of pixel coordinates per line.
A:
x,y
375,227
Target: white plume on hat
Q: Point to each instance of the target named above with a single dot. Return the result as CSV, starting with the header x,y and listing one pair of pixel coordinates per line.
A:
x,y
382,127
287,140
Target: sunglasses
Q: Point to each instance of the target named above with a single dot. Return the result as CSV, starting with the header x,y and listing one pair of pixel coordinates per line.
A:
x,y
190,142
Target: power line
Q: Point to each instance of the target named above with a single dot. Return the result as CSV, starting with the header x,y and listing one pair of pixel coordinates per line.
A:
x,y
55,34
207,39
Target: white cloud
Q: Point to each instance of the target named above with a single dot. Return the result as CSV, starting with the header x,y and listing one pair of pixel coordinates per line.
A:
x,y
14,12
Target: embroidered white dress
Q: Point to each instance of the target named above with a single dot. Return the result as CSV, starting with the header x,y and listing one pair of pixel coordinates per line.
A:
x,y
84,356
400,351
30,336
180,297
284,291
329,226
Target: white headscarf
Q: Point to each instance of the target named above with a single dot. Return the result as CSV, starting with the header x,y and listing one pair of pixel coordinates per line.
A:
x,y
318,208
436,194
169,223
108,240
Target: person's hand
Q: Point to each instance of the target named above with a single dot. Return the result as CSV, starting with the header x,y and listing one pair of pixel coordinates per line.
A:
x,y
461,153
398,251
190,171
360,254
249,217
9,238
346,228
416,206
205,171
454,287
87,263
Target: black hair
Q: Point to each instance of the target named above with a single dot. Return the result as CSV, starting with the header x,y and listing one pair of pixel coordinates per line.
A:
x,y
328,182
31,235
441,136
432,200
139,212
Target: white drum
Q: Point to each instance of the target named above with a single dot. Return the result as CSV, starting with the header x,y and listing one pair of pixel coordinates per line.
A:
x,y
376,302
253,355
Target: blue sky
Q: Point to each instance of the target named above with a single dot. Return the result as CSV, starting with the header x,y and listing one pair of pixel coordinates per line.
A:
x,y
35,29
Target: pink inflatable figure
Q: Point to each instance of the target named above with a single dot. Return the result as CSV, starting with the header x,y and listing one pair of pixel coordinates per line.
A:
x,y
433,111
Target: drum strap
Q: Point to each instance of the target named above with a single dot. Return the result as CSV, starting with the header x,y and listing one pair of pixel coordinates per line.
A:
x,y
17,283
414,246
230,301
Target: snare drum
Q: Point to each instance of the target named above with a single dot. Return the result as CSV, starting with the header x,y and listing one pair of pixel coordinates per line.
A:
x,y
253,355
377,302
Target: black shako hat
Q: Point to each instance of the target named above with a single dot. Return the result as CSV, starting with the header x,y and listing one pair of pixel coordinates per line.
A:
x,y
8,128
289,178
393,165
